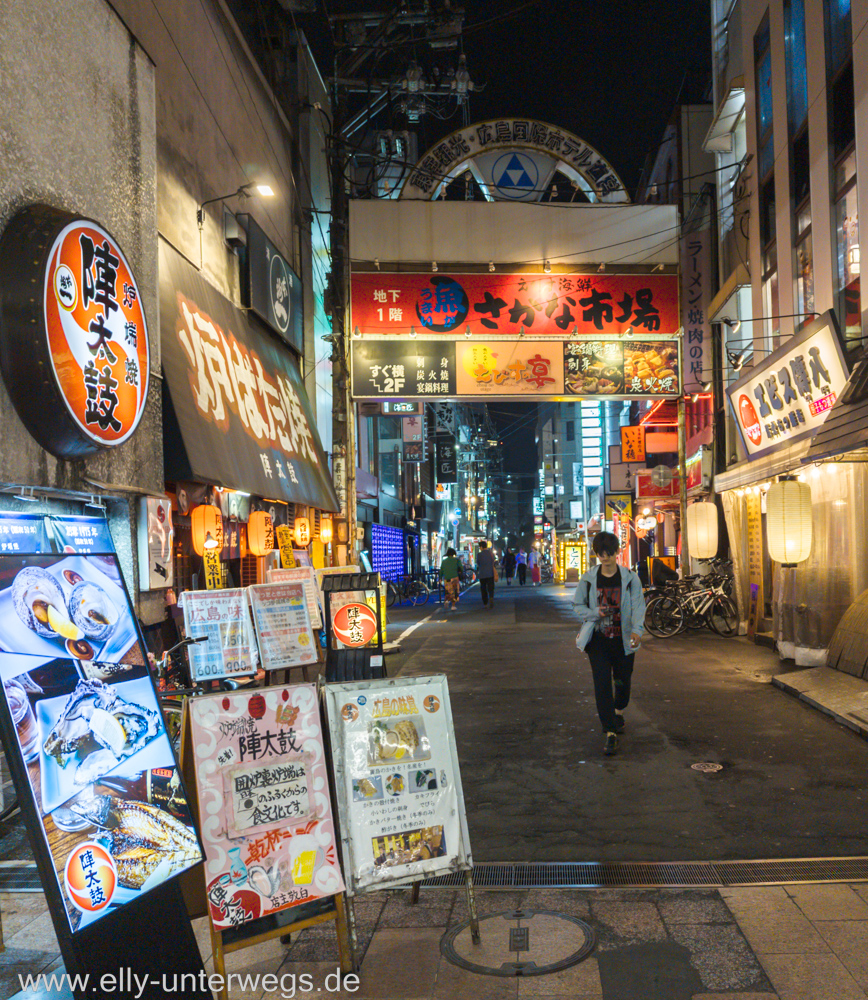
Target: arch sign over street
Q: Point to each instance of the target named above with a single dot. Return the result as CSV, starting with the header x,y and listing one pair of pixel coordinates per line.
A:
x,y
515,159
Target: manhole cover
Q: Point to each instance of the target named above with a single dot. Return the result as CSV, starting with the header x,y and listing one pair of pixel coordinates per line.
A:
x,y
520,943
706,766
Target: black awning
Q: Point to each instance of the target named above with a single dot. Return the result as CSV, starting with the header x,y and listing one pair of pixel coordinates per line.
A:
x,y
845,429
236,397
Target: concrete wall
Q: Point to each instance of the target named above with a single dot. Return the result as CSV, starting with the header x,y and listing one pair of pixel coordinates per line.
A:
x,y
77,131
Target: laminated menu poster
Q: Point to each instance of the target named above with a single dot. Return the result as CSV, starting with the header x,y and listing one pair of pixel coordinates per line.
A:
x,y
399,796
97,782
264,806
222,616
282,624
306,576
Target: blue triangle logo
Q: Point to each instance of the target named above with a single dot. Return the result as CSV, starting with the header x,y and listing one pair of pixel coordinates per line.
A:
x,y
514,175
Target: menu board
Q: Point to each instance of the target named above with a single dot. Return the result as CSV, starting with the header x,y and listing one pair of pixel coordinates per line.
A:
x,y
222,616
67,606
756,598
23,533
282,624
85,535
92,763
619,368
399,796
304,575
265,811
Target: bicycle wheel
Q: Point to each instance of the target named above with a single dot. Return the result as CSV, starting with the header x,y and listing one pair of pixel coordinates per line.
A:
x,y
391,594
419,593
664,616
724,617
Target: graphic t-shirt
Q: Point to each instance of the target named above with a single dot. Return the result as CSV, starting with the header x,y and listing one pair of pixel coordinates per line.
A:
x,y
609,600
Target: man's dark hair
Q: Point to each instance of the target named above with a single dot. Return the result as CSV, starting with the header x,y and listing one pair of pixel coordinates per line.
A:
x,y
450,553
483,545
606,544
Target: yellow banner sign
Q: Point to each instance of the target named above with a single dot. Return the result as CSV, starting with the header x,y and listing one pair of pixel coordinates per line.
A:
x,y
284,543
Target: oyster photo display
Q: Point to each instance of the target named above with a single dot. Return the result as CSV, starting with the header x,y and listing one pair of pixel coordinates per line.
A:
x,y
396,740
99,729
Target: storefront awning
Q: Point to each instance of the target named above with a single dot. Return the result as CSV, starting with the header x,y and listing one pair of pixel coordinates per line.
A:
x,y
236,413
719,137
787,458
721,305
845,429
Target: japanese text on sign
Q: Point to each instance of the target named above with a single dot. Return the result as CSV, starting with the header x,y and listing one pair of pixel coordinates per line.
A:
x,y
268,794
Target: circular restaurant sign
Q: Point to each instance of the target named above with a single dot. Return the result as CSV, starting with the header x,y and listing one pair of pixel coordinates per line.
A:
x,y
75,360
355,624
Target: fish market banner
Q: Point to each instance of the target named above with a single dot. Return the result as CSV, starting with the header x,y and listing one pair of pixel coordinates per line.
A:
x,y
265,811
242,409
398,785
88,750
76,354
471,368
788,395
556,305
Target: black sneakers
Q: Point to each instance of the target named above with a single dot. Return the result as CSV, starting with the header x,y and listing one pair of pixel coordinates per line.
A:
x,y
611,746
619,723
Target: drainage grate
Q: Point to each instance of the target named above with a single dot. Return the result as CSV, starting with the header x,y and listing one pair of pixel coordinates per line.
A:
x,y
19,878
651,875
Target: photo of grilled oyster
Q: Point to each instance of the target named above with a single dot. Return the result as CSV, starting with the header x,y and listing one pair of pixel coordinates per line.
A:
x,y
100,729
141,838
402,739
39,602
92,611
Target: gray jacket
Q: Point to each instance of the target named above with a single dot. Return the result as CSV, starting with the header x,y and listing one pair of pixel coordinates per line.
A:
x,y
632,607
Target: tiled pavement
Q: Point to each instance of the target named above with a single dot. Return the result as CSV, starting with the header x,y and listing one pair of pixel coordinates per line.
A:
x,y
766,943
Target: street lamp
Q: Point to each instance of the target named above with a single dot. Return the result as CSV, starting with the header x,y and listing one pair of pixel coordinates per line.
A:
x,y
265,190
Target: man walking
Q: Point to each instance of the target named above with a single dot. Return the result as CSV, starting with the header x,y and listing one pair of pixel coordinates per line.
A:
x,y
610,604
509,566
485,571
521,566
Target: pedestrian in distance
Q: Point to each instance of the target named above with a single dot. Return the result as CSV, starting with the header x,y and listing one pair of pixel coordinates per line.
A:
x,y
521,566
533,565
611,606
509,566
485,570
449,570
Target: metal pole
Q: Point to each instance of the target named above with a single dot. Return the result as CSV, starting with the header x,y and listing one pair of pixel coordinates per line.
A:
x,y
682,482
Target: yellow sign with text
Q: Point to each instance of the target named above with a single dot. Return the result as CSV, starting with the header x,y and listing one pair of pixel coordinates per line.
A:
x,y
284,543
632,444
213,569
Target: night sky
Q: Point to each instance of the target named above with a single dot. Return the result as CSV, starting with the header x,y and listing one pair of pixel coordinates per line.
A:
x,y
610,72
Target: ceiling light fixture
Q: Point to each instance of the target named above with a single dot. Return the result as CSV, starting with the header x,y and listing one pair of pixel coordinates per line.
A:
x,y
547,267
733,324
434,266
467,331
491,266
628,332
413,332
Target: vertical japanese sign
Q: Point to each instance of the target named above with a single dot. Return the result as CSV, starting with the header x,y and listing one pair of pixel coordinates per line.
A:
x,y
212,569
632,444
756,592
447,465
398,784
284,542
265,812
414,439
223,617
696,281
282,622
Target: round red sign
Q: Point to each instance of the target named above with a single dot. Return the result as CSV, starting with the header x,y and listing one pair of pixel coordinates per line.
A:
x,y
749,420
91,877
354,624
97,335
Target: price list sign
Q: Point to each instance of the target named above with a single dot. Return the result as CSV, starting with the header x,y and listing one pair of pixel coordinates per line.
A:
x,y
222,616
282,624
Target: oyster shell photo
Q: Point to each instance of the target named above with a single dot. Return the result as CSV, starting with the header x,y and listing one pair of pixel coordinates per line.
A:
x,y
100,729
39,602
92,611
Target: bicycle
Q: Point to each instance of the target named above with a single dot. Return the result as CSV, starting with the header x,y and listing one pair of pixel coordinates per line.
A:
x,y
681,606
406,591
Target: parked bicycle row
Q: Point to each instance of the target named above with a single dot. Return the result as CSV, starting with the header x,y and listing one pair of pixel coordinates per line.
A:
x,y
675,605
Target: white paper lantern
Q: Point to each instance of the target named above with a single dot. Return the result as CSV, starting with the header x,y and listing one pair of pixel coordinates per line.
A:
x,y
788,521
702,530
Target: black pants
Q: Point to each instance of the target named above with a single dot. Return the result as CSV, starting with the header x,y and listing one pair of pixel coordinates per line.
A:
x,y
522,573
486,586
612,668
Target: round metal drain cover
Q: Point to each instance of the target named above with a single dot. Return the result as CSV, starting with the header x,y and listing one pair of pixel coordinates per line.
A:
x,y
520,943
706,766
